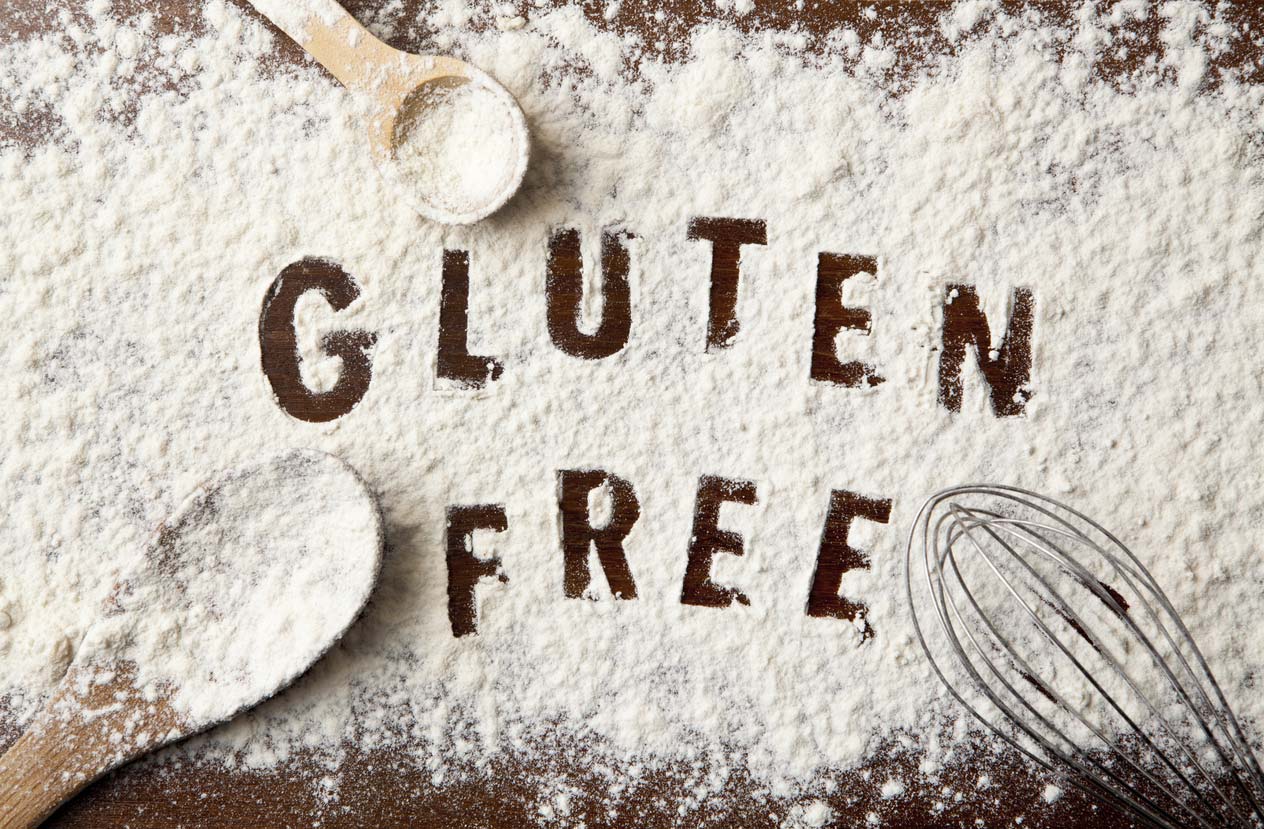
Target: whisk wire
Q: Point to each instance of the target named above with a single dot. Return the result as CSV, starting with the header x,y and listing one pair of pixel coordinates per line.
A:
x,y
1082,777
1128,573
994,525
1002,538
1025,669
1223,714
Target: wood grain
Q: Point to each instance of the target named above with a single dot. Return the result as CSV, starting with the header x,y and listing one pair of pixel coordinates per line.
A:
x,y
384,789
76,738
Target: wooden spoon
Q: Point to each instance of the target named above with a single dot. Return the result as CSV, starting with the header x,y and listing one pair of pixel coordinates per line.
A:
x,y
104,714
72,742
398,82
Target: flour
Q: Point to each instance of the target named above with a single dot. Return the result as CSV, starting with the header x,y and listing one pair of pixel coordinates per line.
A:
x,y
255,576
296,19
457,147
139,240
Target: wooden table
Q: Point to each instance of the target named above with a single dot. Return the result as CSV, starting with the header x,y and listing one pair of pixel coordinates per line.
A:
x,y
379,790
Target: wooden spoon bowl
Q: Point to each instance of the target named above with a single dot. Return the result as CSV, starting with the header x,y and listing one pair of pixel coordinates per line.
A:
x,y
121,698
397,82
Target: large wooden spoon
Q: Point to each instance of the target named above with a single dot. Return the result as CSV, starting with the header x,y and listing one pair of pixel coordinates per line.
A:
x,y
250,582
405,88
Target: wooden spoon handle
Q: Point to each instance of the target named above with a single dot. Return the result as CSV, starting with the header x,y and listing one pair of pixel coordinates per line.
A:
x,y
349,51
87,729
42,770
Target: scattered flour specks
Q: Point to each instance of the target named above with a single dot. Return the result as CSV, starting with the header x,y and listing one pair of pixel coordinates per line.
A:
x,y
180,173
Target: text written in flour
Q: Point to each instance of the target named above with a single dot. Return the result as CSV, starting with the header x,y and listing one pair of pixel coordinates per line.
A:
x,y
610,538
592,551
1004,364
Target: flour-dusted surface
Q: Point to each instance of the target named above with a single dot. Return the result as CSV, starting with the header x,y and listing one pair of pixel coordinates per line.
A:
x,y
139,242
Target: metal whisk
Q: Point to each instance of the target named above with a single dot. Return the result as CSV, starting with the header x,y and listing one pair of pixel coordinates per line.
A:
x,y
1054,635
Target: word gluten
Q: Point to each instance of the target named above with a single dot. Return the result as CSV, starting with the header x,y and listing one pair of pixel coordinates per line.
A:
x,y
1005,367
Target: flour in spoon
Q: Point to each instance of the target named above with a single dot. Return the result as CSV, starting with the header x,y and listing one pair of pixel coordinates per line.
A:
x,y
458,146
256,575
162,182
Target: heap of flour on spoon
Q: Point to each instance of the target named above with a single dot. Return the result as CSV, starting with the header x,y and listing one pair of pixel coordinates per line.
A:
x,y
254,576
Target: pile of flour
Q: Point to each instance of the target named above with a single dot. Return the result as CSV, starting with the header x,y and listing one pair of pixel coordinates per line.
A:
x,y
179,173
458,147
254,577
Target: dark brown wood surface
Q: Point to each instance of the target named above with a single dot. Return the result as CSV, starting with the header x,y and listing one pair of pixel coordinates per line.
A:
x,y
381,790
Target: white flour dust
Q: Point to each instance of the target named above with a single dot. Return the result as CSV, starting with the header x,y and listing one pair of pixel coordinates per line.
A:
x,y
457,146
298,19
255,575
180,173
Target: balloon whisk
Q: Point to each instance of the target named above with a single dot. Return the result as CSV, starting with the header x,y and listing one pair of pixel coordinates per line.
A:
x,y
1056,637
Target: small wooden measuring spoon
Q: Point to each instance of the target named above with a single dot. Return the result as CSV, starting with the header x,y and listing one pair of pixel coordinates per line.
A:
x,y
404,86
104,713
